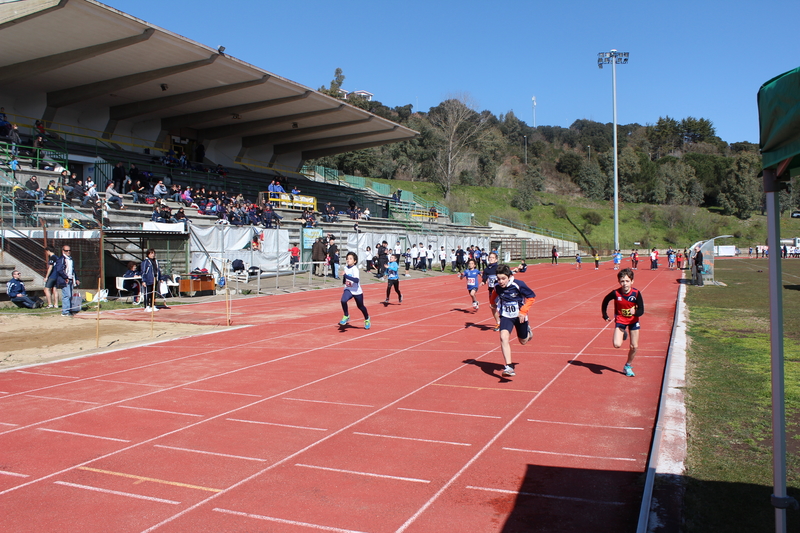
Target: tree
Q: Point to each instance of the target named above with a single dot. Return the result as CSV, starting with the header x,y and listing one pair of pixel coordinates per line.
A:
x,y
592,181
665,136
570,164
740,191
458,131
336,84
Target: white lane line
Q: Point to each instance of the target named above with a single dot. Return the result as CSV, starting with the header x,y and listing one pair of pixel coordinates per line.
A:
x,y
331,403
158,411
46,375
571,454
81,434
274,424
209,453
128,383
445,413
583,425
4,392
284,521
7,473
550,496
60,399
224,392
8,424
368,474
411,438
116,492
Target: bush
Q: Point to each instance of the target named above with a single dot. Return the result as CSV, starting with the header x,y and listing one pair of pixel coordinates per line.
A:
x,y
593,217
560,211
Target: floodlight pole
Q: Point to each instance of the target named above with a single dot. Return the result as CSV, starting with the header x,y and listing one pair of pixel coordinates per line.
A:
x,y
533,105
525,137
614,57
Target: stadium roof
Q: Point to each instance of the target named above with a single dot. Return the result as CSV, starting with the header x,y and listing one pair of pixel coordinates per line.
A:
x,y
79,62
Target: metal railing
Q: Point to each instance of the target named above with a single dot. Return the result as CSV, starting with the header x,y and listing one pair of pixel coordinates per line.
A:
x,y
534,229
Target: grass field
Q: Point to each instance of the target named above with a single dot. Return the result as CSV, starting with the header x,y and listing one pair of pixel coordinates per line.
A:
x,y
729,467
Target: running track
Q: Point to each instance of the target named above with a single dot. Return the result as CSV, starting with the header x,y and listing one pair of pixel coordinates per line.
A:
x,y
291,424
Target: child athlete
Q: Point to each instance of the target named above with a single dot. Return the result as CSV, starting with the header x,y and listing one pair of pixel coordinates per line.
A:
x,y
472,274
514,298
578,264
628,307
393,277
490,278
352,289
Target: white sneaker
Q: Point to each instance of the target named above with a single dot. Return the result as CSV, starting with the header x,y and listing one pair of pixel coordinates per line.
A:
x,y
148,309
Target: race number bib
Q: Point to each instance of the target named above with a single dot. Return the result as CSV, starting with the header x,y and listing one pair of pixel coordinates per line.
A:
x,y
510,309
472,281
627,312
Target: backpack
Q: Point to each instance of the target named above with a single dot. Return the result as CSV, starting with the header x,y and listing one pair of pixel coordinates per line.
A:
x,y
237,265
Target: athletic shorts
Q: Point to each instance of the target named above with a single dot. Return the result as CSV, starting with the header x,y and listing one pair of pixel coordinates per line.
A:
x,y
50,283
633,327
471,288
509,324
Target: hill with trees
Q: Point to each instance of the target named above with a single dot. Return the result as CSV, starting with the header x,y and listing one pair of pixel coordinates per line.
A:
x,y
671,162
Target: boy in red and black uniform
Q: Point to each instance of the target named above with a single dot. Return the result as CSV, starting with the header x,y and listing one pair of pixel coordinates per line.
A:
x,y
628,307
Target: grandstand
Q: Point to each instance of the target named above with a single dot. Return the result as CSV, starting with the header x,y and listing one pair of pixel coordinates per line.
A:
x,y
150,99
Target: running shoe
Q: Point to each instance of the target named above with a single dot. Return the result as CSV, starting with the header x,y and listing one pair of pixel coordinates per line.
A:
x,y
401,299
367,324
345,319
386,301
509,371
148,309
628,371
497,327
475,305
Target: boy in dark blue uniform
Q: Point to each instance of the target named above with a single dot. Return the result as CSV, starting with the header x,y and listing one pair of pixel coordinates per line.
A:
x,y
514,299
490,279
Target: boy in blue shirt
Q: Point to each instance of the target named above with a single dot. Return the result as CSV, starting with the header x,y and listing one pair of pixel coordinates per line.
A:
x,y
393,279
472,274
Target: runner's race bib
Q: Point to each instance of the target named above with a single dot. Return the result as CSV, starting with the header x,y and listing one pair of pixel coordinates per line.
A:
x,y
627,312
472,281
510,309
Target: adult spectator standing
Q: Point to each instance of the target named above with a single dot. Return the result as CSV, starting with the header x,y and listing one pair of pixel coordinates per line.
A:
x,y
15,140
554,256
67,281
151,274
16,292
51,278
460,258
318,256
333,256
118,175
38,146
697,267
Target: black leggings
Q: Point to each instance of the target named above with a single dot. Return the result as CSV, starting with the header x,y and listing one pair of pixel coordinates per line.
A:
x,y
359,298
393,283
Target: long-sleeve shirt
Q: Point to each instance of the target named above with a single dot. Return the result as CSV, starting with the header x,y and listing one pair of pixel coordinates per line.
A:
x,y
627,307
515,299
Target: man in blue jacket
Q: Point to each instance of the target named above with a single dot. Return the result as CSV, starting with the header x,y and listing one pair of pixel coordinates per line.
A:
x,y
16,291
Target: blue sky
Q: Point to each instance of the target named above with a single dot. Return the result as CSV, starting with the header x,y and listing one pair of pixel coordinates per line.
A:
x,y
687,58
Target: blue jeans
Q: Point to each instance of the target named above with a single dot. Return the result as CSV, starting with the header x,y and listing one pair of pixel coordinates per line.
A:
x,y
335,267
67,307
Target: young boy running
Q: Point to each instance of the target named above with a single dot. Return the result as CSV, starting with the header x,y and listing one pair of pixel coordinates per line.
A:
x,y
393,278
352,289
472,274
514,299
490,278
628,307
578,264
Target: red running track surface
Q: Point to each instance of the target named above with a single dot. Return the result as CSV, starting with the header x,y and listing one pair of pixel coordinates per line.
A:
x,y
293,424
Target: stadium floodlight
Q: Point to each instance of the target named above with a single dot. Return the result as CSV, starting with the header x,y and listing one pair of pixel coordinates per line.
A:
x,y
603,58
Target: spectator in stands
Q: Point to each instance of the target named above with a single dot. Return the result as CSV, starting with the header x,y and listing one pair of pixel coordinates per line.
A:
x,y
133,173
221,171
330,213
14,166
181,218
113,196
77,192
365,215
156,214
175,193
118,175
35,189
333,256
54,192
38,146
271,189
16,292
39,127
100,213
90,196
160,190
166,214
138,191
15,140
186,198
